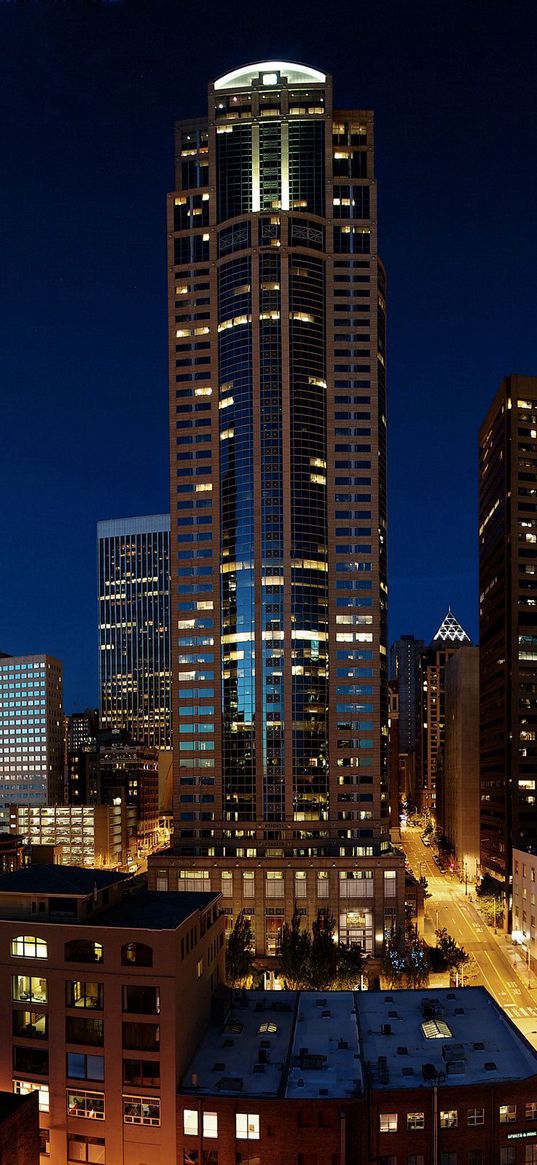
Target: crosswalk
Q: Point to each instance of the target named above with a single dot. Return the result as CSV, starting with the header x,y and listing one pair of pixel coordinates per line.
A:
x,y
517,1012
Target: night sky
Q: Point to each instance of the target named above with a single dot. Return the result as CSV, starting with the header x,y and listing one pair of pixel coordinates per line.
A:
x,y
89,93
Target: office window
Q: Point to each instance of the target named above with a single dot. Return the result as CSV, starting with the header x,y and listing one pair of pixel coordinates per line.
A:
x,y
448,1118
388,1122
85,1104
475,1116
27,946
141,1110
415,1120
507,1114
141,1000
87,1149
247,1126
531,1110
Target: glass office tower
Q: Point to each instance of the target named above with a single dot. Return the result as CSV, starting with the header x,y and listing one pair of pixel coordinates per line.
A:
x,y
278,504
134,621
31,732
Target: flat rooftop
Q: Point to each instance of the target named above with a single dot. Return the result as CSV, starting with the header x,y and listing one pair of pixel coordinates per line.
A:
x,y
152,910
283,1043
410,1037
73,881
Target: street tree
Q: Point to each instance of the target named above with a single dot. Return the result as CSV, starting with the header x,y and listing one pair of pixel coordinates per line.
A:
x,y
239,955
453,955
295,953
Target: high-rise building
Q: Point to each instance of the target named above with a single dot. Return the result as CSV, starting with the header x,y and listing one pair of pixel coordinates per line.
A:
x,y
31,731
278,471
508,625
405,667
461,760
448,639
134,627
80,727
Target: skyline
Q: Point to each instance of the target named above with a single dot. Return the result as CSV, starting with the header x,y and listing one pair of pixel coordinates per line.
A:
x,y
92,309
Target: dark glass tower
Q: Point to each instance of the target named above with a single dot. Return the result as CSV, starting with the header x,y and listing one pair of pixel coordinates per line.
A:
x,y
278,470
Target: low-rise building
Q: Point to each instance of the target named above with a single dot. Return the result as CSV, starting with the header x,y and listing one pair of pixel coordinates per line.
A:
x,y
103,1001
524,911
90,835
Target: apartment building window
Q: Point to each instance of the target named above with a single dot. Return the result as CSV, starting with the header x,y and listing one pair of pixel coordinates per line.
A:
x,y
84,1067
247,1126
86,1149
475,1116
323,884
27,946
531,1110
141,1110
390,883
44,1143
23,1087
388,1122
27,988
248,884
274,884
89,1105
301,885
190,1122
141,1000
226,884
507,1114
415,1120
79,1030
144,1037
508,1155
448,1159
448,1118
79,993
210,1124
81,950
136,955
141,1073
30,1024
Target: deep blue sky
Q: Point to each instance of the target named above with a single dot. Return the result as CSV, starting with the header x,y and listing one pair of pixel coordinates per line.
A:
x,y
89,93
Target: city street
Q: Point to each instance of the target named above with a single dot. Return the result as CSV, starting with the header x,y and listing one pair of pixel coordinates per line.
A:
x,y
494,962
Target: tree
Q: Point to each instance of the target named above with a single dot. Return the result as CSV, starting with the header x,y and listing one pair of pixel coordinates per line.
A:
x,y
417,964
453,955
394,957
324,952
295,953
239,956
350,966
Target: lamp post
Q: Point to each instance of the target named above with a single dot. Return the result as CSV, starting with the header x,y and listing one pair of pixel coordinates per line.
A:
x,y
465,876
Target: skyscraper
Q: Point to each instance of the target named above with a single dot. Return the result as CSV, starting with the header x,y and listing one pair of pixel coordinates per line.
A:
x,y
278,504
508,624
448,639
31,731
405,667
134,628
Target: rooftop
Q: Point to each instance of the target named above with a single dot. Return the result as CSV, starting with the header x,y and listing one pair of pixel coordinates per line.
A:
x,y
153,910
412,1038
65,880
283,1043
450,630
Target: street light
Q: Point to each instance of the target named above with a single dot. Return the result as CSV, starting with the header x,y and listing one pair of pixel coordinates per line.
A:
x,y
465,876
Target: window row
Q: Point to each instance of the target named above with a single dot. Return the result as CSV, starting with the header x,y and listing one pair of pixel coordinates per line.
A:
x,y
246,1124
449,1118
80,951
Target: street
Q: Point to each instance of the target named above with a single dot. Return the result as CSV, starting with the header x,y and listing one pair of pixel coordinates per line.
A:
x,y
494,962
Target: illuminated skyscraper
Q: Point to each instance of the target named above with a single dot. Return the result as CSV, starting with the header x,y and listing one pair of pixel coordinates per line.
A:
x,y
31,731
134,629
278,502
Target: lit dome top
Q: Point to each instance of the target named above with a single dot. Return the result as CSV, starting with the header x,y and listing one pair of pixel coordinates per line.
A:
x,y
296,75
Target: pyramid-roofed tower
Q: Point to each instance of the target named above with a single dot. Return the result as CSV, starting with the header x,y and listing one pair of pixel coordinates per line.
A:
x,y
450,630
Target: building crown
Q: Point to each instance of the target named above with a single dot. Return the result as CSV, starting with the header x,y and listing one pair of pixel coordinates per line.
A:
x,y
451,631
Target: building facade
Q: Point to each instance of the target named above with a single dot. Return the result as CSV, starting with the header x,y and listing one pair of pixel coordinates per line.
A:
x,y
103,1000
31,732
405,667
461,761
134,627
508,625
448,639
278,501
113,770
102,836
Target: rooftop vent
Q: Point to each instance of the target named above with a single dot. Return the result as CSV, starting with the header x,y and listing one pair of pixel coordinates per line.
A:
x,y
490,1066
323,1091
429,1072
219,1067
478,1047
459,1011
320,1002
388,999
456,1067
402,1051
408,1072
453,1052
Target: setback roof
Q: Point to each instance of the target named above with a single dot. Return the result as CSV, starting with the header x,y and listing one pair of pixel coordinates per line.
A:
x,y
152,910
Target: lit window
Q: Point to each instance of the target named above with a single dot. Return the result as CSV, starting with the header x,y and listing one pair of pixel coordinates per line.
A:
x,y
507,1113
89,1105
28,947
448,1118
388,1122
247,1126
267,1029
475,1116
210,1125
531,1110
190,1122
415,1120
23,1087
141,1110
